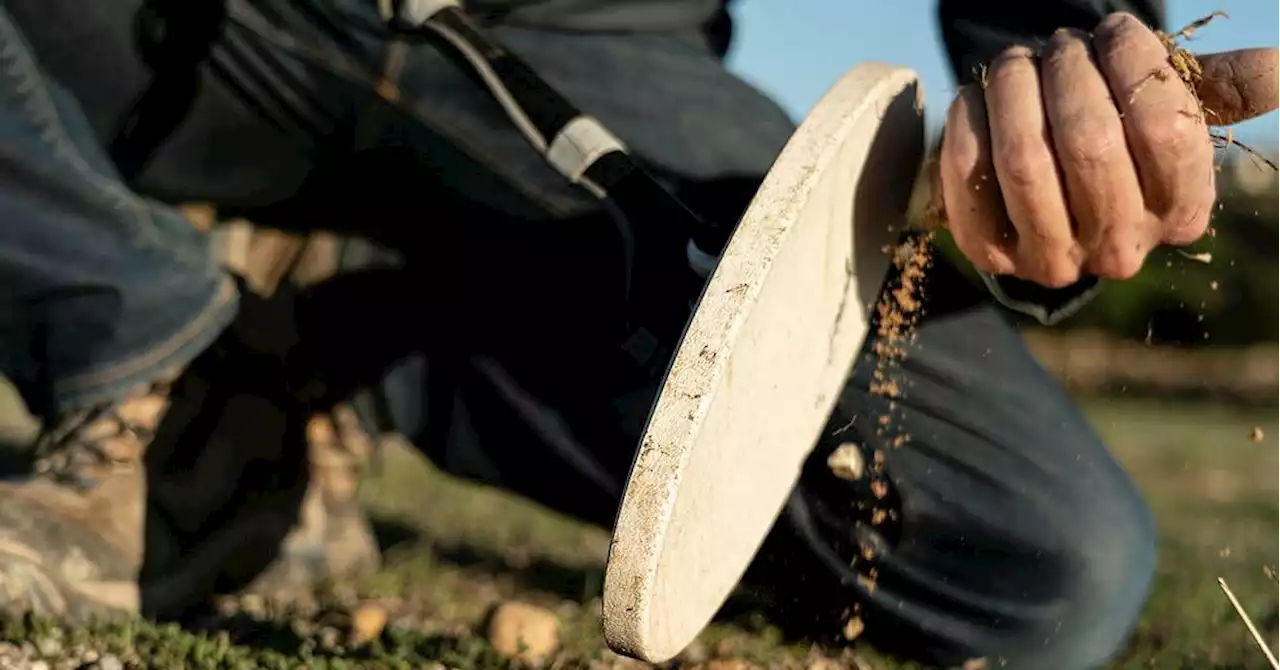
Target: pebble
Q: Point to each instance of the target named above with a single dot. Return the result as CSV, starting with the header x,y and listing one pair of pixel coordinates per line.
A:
x,y
49,646
367,623
109,662
523,631
725,664
846,462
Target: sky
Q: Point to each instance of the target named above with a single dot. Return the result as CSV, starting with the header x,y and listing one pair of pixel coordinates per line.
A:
x,y
796,49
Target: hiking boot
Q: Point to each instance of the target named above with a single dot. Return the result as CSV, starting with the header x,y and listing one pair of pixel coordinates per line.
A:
x,y
72,511
184,489
333,541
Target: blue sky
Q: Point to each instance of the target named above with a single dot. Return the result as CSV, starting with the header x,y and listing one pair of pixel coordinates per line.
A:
x,y
796,49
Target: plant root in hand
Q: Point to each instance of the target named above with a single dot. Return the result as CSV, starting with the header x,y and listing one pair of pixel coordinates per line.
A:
x,y
1188,69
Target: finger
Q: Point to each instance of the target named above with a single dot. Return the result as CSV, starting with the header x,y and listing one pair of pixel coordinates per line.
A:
x,y
1033,193
1166,133
1102,184
1239,85
975,212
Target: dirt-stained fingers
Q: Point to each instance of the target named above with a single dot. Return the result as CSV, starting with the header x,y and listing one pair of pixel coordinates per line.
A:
x,y
975,210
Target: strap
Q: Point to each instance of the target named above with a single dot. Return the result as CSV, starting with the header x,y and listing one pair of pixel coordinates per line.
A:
x,y
573,143
670,251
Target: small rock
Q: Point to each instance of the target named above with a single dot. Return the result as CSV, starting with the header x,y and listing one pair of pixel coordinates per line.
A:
x,y
38,665
367,623
846,462
109,662
725,664
527,632
49,646
1256,434
696,652
853,628
226,606
254,605
328,638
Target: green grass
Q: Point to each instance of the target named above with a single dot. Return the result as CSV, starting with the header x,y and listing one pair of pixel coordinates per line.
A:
x,y
457,549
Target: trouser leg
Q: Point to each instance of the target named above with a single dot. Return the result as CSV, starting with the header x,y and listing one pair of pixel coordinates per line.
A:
x,y
100,289
992,522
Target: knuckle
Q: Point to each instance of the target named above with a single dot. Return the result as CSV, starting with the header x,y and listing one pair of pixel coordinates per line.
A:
x,y
961,160
1053,269
964,150
984,254
1170,132
1088,150
993,260
1010,62
1116,262
1059,275
1118,25
1064,41
1014,53
1120,37
1186,223
1023,162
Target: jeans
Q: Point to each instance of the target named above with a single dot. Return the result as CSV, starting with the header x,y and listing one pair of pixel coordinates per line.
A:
x,y
1012,533
100,289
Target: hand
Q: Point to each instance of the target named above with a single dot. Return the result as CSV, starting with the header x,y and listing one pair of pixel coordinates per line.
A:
x,y
1081,158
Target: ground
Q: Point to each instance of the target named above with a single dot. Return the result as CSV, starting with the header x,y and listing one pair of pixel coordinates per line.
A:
x,y
455,550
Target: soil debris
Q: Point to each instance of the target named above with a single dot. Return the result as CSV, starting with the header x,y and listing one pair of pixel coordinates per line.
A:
x,y
898,314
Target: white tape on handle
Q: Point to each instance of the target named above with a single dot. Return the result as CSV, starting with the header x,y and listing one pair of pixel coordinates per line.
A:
x,y
579,144
414,12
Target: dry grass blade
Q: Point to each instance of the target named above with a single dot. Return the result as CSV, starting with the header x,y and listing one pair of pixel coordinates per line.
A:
x,y
1253,630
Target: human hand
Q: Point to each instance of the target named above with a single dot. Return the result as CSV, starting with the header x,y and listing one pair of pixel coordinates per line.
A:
x,y
1083,157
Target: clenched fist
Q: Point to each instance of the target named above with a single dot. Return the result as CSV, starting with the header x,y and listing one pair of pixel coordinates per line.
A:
x,y
1081,157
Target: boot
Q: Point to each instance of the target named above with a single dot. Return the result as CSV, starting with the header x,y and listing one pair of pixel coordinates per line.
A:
x,y
72,511
332,540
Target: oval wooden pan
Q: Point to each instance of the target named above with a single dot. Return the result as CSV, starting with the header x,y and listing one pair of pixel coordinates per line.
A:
x,y
762,362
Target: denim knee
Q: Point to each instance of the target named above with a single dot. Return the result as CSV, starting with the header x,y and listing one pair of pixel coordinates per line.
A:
x,y
1108,537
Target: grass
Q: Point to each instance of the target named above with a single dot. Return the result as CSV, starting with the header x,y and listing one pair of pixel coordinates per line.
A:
x,y
457,549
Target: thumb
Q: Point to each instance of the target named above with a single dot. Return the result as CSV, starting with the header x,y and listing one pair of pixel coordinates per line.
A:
x,y
1238,85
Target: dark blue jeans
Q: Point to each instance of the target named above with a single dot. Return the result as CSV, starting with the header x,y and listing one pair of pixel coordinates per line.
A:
x,y
1012,535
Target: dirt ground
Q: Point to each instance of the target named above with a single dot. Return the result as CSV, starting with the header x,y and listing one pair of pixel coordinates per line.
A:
x,y
454,550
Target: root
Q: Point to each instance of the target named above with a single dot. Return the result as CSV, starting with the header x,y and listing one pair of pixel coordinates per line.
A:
x,y
1188,69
